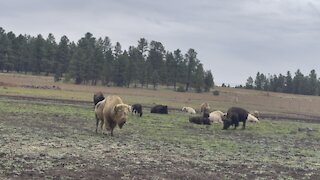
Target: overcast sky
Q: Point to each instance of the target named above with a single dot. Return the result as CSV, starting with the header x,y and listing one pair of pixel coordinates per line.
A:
x,y
233,38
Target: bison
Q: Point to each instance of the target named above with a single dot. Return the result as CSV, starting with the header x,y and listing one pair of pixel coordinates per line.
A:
x,y
216,116
201,119
204,107
137,109
115,112
234,116
252,118
160,109
97,97
188,110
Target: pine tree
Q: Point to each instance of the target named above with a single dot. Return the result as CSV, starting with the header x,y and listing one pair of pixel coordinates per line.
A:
x,y
249,84
288,83
208,81
108,61
62,58
192,61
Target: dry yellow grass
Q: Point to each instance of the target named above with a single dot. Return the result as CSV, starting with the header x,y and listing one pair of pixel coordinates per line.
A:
x,y
267,102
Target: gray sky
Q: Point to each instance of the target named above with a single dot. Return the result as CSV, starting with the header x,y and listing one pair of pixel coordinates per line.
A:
x,y
233,38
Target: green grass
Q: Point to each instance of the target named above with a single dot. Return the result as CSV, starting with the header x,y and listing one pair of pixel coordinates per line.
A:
x,y
277,143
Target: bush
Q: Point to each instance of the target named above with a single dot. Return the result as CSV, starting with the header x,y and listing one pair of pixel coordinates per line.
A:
x,y
198,90
216,93
181,89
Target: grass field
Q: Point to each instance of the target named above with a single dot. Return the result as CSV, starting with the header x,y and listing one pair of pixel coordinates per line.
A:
x,y
56,139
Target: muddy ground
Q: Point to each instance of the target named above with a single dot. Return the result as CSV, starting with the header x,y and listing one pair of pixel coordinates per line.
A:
x,y
37,143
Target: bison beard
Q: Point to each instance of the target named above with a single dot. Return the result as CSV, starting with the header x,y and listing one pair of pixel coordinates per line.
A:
x,y
234,116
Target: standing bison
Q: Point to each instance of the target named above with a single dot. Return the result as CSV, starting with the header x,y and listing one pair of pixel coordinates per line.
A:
x,y
97,97
114,112
234,116
137,109
160,109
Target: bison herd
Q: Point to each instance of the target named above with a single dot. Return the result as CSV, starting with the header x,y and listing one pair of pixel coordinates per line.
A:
x,y
110,112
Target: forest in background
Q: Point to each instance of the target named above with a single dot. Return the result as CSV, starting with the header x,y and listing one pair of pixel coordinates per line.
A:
x,y
96,61
297,84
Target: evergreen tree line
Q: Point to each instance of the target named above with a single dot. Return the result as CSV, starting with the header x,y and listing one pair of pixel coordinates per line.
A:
x,y
93,61
298,84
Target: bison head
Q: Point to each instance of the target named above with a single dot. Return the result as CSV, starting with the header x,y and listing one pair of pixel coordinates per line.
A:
x,y
121,112
226,122
184,109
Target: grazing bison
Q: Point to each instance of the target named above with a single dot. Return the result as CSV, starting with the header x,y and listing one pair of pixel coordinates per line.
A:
x,y
115,112
97,97
201,119
252,118
216,116
99,114
160,109
188,110
204,107
137,109
234,116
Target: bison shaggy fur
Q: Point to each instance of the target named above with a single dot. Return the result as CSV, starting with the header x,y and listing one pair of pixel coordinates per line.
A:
x,y
115,112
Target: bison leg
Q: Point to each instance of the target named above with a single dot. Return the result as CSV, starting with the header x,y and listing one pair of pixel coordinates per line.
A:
x,y
97,123
102,126
244,125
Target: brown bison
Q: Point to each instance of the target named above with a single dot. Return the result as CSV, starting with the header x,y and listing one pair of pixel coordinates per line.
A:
x,y
234,116
115,112
97,97
204,107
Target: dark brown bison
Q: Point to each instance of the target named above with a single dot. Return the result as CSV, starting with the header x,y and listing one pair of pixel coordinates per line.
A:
x,y
234,116
97,97
201,119
160,109
137,109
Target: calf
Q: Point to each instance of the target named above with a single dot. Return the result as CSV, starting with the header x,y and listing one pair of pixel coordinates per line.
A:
x,y
137,109
97,97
